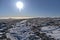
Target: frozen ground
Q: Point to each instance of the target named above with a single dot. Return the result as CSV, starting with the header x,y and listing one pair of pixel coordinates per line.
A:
x,y
21,31
54,31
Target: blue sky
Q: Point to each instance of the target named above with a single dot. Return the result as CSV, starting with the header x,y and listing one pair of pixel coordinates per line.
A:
x,y
31,8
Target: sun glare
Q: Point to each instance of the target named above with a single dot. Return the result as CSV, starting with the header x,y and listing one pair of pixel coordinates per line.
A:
x,y
19,5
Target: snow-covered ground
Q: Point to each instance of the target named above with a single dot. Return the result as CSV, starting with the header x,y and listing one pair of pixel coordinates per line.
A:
x,y
22,32
54,31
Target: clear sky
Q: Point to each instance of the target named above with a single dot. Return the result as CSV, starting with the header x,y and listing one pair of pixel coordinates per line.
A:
x,y
31,8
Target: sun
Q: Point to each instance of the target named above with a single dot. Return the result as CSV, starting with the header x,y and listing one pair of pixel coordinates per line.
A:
x,y
19,5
